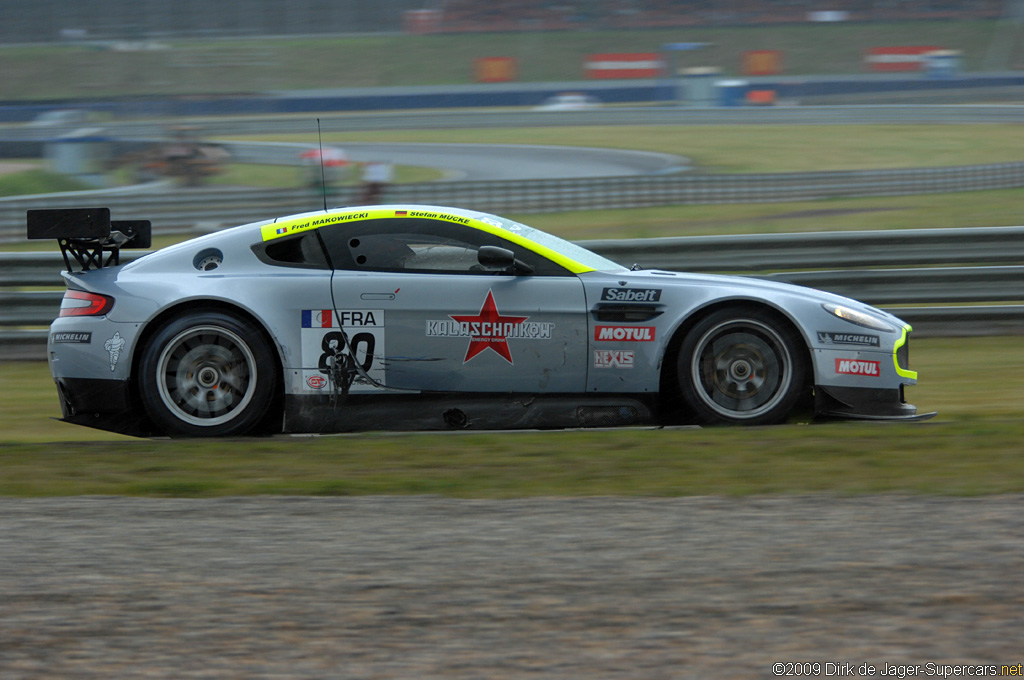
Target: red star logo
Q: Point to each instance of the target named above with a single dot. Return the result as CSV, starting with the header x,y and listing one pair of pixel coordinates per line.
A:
x,y
488,330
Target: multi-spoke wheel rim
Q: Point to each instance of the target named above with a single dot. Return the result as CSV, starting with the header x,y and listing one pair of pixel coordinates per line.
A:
x,y
206,375
741,369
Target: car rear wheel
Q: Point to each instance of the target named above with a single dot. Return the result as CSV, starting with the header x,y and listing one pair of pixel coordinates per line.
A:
x,y
741,366
207,374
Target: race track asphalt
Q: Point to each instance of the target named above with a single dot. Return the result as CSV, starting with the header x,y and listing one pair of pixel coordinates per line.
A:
x,y
429,587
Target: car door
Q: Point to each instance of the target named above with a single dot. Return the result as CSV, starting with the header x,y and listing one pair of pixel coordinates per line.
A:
x,y
420,313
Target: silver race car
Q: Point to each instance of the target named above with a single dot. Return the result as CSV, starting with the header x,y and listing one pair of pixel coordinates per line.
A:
x,y
423,317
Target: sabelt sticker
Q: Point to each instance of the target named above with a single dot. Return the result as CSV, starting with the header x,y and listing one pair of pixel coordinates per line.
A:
x,y
624,333
631,295
870,369
613,358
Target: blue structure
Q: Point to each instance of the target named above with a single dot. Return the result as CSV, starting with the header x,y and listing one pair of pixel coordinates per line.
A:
x,y
509,94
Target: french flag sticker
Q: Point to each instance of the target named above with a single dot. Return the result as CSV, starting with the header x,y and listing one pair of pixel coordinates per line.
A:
x,y
282,230
316,318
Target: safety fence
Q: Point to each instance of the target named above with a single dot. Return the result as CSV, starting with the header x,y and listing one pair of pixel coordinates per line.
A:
x,y
182,210
942,281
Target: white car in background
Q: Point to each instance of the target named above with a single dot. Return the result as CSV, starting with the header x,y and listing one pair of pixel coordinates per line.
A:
x,y
569,101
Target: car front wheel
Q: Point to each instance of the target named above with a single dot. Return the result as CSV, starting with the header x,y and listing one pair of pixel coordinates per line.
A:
x,y
741,366
207,374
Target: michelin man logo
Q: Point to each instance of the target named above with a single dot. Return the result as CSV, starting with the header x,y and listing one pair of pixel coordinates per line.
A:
x,y
114,345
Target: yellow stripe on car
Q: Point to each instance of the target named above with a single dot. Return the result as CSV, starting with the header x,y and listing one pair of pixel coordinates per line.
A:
x,y
289,227
902,372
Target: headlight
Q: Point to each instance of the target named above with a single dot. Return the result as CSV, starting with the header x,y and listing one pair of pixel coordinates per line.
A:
x,y
859,318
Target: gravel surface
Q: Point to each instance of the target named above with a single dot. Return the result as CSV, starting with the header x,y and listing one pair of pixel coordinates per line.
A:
x,y
427,587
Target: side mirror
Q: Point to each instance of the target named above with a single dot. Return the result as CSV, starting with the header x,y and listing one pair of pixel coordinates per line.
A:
x,y
496,257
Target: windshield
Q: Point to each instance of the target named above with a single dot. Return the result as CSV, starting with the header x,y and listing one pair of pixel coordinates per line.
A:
x,y
571,250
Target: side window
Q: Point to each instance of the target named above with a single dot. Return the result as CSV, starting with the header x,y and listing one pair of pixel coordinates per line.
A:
x,y
412,252
420,246
294,251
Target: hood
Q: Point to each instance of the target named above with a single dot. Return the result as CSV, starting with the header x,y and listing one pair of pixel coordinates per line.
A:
x,y
756,287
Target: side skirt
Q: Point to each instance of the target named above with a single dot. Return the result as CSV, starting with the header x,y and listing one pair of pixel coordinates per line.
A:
x,y
445,411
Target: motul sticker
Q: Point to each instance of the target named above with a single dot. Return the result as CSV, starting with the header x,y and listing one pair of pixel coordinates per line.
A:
x,y
613,358
624,333
870,369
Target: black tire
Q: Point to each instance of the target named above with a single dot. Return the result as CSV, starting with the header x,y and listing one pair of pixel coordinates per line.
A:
x,y
743,367
207,374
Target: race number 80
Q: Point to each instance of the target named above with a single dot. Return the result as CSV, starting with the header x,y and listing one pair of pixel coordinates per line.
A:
x,y
361,346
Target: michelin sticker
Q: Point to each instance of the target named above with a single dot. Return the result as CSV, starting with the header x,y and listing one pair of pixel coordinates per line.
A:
x,y
861,339
323,345
71,337
113,346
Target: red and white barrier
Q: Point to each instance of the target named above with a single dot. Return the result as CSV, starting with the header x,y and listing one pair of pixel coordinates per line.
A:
x,y
899,58
623,65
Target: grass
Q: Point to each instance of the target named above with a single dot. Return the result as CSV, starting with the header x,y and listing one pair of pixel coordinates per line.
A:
x,y
973,447
851,458
38,182
243,66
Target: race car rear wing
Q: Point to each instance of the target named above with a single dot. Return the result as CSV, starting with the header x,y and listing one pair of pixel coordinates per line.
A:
x,y
88,235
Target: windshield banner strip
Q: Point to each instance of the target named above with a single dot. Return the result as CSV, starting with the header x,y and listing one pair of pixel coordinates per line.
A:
x,y
296,226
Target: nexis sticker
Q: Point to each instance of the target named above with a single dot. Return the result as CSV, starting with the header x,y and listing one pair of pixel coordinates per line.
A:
x,y
870,369
489,330
324,334
624,333
613,358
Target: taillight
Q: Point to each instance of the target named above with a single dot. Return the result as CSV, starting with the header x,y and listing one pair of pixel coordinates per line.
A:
x,y
80,303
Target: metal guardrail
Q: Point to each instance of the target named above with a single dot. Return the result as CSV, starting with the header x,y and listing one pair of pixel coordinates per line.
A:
x,y
210,208
816,250
887,268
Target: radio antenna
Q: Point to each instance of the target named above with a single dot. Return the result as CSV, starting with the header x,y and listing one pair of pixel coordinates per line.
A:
x,y
323,174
